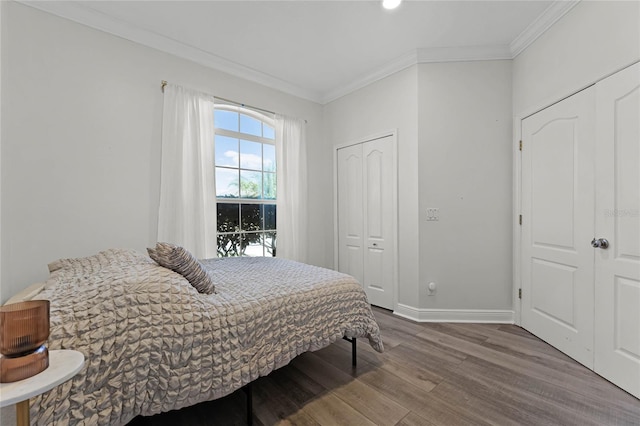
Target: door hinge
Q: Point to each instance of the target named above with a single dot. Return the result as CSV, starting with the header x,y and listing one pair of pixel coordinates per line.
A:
x,y
520,145
520,220
519,293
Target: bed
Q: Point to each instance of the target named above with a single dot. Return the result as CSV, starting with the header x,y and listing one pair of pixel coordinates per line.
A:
x,y
153,343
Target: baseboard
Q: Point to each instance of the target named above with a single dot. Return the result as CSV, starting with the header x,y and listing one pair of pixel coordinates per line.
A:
x,y
455,315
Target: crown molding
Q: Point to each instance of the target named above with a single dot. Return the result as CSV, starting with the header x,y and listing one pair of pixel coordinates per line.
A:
x,y
398,64
78,12
85,15
421,56
550,16
463,53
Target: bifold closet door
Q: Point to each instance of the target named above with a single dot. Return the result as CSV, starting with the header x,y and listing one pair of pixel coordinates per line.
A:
x,y
366,221
557,225
379,205
617,188
350,212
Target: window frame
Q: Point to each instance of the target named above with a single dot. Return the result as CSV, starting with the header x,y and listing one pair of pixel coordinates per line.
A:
x,y
264,119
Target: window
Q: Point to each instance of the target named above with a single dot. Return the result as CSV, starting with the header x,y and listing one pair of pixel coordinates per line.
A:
x,y
245,182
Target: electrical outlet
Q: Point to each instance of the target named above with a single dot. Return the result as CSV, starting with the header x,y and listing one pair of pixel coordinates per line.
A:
x,y
433,213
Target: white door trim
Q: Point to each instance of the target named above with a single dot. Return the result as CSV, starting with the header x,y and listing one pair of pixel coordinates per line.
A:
x,y
394,140
517,229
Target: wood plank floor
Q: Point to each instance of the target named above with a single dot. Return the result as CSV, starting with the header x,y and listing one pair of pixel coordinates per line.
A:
x,y
430,374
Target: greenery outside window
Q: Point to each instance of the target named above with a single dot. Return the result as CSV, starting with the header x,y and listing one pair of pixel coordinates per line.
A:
x,y
245,158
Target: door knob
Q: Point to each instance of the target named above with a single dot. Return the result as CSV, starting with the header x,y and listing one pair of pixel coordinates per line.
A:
x,y
600,243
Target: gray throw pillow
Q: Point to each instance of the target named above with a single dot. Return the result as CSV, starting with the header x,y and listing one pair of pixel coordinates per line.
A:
x,y
180,260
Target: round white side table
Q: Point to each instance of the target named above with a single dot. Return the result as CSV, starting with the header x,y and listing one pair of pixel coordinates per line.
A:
x,y
63,365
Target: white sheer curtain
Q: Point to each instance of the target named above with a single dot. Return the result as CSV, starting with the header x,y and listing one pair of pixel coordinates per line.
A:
x,y
291,179
187,213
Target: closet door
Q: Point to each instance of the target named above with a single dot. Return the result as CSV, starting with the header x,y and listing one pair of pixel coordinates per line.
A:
x,y
379,207
367,206
617,281
557,225
350,212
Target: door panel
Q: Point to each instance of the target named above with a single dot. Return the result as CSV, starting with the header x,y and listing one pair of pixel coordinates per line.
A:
x,y
617,269
350,212
555,284
626,192
374,164
379,262
374,273
553,184
557,208
627,317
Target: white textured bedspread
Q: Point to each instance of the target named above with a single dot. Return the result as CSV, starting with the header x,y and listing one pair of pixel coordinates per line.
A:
x,y
152,343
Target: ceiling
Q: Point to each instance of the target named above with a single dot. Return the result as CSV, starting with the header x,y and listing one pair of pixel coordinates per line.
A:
x,y
319,50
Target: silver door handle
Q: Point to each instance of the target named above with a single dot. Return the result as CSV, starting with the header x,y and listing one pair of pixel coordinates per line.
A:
x,y
600,243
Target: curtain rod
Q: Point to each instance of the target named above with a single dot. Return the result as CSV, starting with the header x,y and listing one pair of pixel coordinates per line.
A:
x,y
245,105
164,83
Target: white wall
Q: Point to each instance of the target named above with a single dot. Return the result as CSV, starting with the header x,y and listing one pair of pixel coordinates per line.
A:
x,y
7,414
454,133
81,142
385,105
465,171
594,39
1,54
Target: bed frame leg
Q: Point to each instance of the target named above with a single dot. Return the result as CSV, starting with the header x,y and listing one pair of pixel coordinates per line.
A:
x,y
249,391
354,355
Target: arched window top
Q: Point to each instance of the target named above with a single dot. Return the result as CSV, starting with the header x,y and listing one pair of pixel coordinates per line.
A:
x,y
258,115
244,122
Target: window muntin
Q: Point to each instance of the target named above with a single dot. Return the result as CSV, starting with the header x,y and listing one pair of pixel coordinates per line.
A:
x,y
246,190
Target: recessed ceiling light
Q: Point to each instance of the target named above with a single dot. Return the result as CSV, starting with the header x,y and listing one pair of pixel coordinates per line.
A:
x,y
390,4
